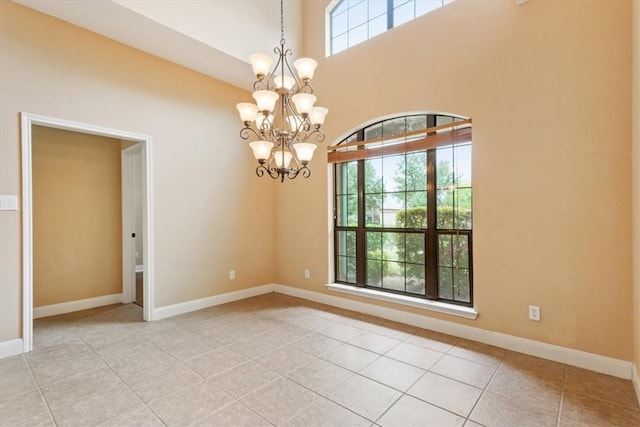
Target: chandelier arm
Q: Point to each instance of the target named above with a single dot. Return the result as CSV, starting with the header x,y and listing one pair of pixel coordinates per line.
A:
x,y
245,132
260,84
304,171
288,110
306,87
319,135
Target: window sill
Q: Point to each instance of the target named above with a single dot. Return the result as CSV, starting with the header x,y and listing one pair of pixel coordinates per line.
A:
x,y
440,307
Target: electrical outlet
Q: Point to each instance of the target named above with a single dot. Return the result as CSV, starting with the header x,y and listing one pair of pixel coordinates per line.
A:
x,y
306,273
534,313
232,274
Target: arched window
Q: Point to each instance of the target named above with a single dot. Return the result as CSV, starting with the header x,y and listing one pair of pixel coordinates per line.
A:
x,y
402,207
354,21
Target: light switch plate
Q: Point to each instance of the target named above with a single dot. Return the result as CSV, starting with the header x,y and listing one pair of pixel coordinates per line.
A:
x,y
8,203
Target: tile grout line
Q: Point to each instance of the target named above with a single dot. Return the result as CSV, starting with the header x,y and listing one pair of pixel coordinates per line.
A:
x,y
121,379
42,396
485,389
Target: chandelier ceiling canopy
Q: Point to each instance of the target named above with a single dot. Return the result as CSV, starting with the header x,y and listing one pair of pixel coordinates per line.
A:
x,y
284,120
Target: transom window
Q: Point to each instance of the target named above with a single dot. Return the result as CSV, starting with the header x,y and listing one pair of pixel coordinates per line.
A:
x,y
403,208
354,21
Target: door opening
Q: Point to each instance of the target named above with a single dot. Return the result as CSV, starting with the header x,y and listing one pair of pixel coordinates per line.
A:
x,y
143,145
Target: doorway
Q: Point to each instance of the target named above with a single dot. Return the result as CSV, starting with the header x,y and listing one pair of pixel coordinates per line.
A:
x,y
143,145
132,231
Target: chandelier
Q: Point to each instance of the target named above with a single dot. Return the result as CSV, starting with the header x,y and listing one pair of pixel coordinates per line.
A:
x,y
284,119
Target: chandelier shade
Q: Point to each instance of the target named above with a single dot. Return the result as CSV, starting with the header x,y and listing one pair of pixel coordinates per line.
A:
x,y
261,63
261,149
305,68
284,121
248,111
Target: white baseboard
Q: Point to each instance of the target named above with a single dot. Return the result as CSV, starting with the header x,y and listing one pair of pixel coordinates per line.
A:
x,y
582,359
11,348
199,304
71,306
636,381
139,268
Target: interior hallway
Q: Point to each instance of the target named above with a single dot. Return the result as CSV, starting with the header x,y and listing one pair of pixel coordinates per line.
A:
x,y
278,360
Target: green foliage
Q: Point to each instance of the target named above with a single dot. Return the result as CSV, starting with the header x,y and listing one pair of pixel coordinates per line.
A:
x,y
412,217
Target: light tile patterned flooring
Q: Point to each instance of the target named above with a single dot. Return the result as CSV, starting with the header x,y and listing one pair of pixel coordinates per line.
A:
x,y
278,360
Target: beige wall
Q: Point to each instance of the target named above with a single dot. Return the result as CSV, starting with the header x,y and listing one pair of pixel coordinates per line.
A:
x,y
211,213
547,86
636,178
77,216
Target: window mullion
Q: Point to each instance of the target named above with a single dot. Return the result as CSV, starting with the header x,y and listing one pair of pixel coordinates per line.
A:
x,y
431,243
389,14
360,233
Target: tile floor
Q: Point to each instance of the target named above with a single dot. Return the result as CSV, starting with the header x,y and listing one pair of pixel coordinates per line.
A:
x,y
278,360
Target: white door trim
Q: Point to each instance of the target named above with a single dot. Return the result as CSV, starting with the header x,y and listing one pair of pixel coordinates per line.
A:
x,y
127,161
27,121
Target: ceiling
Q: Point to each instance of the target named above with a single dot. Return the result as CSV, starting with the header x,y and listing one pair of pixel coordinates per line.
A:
x,y
214,37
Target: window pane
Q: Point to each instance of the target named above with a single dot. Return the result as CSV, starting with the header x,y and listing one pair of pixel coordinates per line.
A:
x,y
346,243
378,25
374,245
443,120
444,212
418,199
392,203
373,131
413,216
341,267
373,210
377,8
339,24
347,178
374,272
339,43
352,210
340,7
463,165
403,14
351,243
461,285
460,251
416,123
351,269
373,175
426,6
357,35
341,211
357,14
463,208
444,167
445,250
393,246
394,276
397,3
393,126
416,170
445,282
415,279
393,168
415,248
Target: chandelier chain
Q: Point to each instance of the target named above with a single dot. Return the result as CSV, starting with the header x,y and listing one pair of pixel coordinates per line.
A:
x,y
282,22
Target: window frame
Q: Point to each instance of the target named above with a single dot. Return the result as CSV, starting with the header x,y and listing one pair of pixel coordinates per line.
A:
x,y
431,233
389,8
